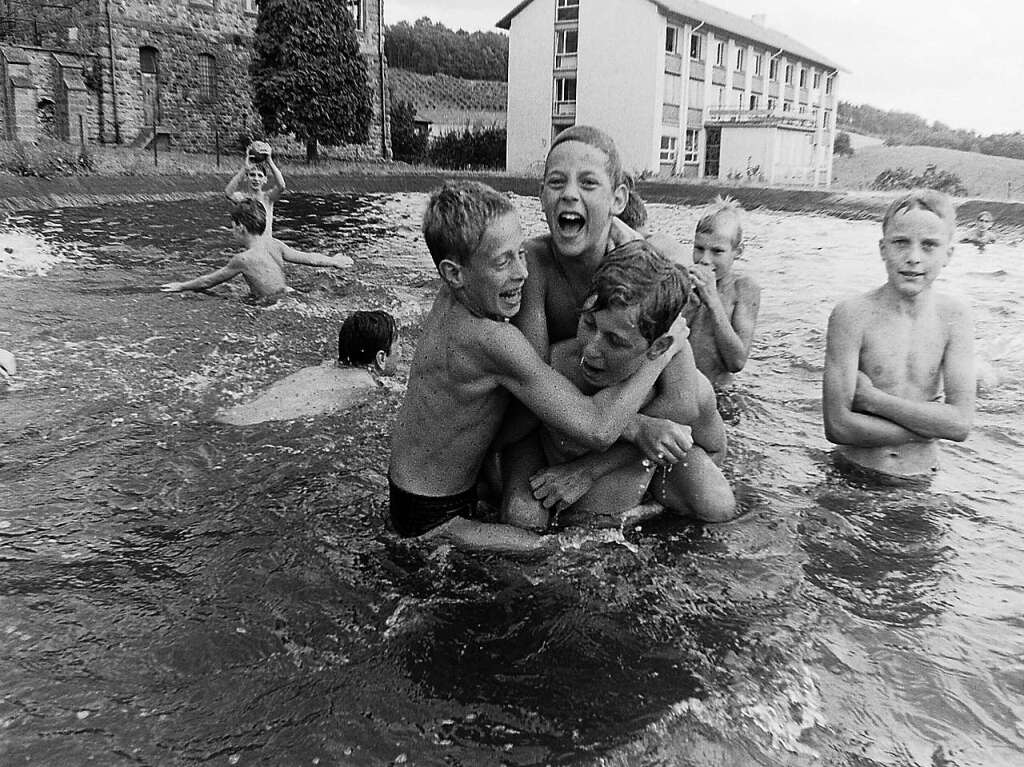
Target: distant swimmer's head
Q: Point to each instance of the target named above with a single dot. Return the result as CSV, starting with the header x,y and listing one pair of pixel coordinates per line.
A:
x,y
634,215
248,216
474,238
370,338
634,297
917,239
256,177
985,220
718,239
583,188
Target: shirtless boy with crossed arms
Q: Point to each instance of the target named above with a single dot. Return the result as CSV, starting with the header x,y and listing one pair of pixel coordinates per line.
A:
x,y
899,360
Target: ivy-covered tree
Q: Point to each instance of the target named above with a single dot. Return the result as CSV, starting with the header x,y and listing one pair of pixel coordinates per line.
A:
x,y
309,78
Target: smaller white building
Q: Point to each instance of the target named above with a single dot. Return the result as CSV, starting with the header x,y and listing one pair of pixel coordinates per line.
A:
x,y
683,87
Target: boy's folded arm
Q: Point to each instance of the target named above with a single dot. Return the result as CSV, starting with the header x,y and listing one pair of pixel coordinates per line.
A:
x,y
952,418
844,425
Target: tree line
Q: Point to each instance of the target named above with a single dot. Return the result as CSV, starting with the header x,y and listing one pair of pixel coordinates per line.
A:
x,y
905,128
431,48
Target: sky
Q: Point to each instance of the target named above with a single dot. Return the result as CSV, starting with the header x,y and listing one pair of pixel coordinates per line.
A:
x,y
959,63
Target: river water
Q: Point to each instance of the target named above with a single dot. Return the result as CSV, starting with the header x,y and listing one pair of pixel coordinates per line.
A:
x,y
179,592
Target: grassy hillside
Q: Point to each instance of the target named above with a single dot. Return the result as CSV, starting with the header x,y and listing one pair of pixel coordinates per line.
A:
x,y
984,175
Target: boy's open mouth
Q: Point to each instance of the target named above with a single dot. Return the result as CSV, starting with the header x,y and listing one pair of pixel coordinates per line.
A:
x,y
515,294
911,275
570,224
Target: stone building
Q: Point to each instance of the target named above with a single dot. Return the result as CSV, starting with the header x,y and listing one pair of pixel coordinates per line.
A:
x,y
135,71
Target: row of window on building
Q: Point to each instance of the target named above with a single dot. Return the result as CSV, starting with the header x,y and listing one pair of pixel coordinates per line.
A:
x,y
149,66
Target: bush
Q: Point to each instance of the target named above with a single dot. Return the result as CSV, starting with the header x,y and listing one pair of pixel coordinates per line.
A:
x,y
472,149
45,158
407,143
932,178
842,145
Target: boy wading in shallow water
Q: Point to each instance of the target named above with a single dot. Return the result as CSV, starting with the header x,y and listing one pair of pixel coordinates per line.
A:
x,y
722,327
261,263
470,363
250,183
899,360
635,294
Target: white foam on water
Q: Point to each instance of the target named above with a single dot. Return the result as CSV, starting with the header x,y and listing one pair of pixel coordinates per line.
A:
x,y
25,254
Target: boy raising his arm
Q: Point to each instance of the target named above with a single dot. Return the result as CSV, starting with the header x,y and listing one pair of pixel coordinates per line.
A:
x,y
899,360
470,363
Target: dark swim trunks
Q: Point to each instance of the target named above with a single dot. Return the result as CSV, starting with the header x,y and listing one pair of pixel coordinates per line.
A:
x,y
413,515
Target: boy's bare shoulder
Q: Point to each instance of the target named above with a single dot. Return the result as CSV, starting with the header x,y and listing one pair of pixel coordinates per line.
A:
x,y
747,285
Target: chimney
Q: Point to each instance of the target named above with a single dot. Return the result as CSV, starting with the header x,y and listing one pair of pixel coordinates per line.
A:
x,y
759,18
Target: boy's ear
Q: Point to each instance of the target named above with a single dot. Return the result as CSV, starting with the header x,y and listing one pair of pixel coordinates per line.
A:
x,y
620,196
451,272
380,359
659,347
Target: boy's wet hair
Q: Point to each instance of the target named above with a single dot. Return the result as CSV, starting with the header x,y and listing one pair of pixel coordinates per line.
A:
x,y
635,274
363,334
932,200
251,215
634,215
598,139
457,218
987,215
723,208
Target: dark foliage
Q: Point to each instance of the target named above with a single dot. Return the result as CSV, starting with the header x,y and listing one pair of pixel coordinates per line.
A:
x,y
431,48
308,76
407,143
473,149
842,146
932,178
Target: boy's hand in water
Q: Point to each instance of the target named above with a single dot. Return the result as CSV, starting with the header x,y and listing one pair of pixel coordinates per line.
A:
x,y
558,487
172,287
341,261
620,234
662,441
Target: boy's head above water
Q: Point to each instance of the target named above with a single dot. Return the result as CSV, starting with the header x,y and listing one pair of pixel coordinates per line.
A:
x,y
474,238
369,338
583,188
250,215
935,202
917,240
634,297
719,235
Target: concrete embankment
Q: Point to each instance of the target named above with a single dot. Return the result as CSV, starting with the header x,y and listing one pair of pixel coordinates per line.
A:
x,y
17,193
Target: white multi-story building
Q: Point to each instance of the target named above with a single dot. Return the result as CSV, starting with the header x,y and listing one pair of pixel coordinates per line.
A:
x,y
683,87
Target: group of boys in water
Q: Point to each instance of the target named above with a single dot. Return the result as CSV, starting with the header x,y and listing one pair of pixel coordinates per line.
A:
x,y
586,372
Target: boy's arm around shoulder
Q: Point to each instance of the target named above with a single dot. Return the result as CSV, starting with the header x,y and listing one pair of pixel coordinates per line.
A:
x,y
844,425
532,316
595,422
948,419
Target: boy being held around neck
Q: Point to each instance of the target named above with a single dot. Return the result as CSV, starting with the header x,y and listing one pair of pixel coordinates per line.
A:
x,y
899,360
634,295
469,365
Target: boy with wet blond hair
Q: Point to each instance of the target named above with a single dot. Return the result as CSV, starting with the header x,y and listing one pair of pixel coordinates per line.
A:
x,y
722,327
469,365
899,359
